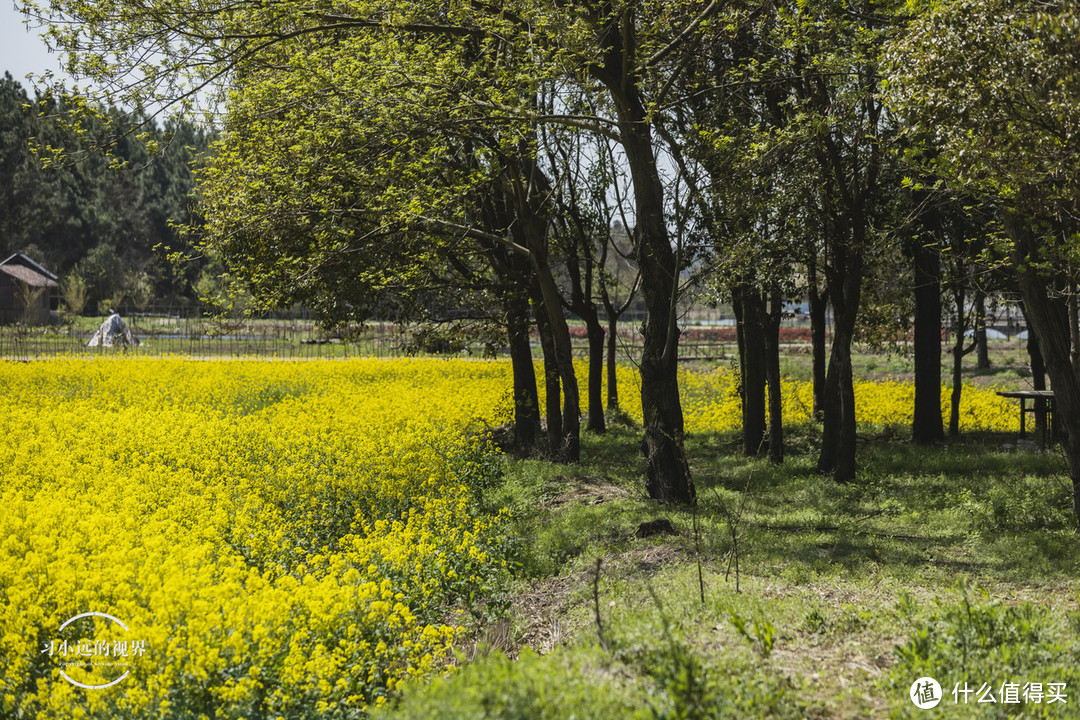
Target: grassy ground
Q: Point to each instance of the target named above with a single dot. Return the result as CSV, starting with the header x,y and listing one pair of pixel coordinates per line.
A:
x,y
1008,364
783,594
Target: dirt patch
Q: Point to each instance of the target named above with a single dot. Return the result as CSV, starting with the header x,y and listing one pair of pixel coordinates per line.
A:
x,y
543,612
839,668
587,490
644,560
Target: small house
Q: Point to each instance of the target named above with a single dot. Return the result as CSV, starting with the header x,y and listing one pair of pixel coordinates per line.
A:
x,y
28,292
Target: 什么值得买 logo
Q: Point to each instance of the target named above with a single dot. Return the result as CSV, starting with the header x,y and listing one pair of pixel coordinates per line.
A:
x,y
98,655
925,693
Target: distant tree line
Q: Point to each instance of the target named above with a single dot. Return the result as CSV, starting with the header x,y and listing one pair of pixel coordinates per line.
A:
x,y
104,222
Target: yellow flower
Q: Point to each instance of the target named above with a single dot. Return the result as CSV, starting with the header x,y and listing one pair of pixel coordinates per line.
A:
x,y
264,527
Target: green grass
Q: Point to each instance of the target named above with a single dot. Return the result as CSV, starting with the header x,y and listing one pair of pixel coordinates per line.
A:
x,y
958,561
1009,364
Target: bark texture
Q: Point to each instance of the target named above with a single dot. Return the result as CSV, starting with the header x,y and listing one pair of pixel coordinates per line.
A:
x,y
667,473
1047,314
926,424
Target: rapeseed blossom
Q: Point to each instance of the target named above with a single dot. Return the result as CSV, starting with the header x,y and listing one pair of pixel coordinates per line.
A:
x,y
280,539
711,403
284,539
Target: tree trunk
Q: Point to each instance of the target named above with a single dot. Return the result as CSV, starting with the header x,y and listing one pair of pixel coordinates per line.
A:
x,y
596,368
845,287
818,305
1038,377
514,272
533,229
1038,382
1048,318
1038,370
579,267
613,313
569,448
926,424
526,397
552,386
612,354
666,469
1048,321
958,354
844,465
830,414
750,328
982,350
1074,328
772,372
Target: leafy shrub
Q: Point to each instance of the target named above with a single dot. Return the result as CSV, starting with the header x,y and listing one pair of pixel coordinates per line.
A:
x,y
552,687
665,680
759,632
967,644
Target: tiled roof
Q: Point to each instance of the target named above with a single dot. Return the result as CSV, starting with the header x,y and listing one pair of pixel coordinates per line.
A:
x,y
31,277
20,258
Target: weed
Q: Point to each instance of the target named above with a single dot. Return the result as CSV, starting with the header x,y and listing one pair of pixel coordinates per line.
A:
x,y
733,520
906,606
815,621
679,672
529,688
759,632
846,568
980,640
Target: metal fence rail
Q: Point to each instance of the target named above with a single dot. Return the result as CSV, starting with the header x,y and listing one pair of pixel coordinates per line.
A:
x,y
173,335
707,335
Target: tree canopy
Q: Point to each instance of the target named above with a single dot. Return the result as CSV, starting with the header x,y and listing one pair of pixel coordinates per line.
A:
x,y
419,159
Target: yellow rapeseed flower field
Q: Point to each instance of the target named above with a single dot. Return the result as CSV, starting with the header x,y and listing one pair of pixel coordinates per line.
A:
x,y
711,402
278,539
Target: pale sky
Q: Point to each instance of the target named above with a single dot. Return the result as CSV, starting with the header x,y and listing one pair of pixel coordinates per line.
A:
x,y
22,51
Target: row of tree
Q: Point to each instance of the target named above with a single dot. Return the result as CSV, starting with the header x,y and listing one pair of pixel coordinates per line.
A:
x,y
106,222
469,155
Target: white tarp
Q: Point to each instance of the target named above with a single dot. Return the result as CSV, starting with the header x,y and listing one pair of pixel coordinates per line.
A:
x,y
113,332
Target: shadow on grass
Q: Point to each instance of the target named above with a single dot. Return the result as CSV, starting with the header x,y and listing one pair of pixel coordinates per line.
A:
x,y
917,513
